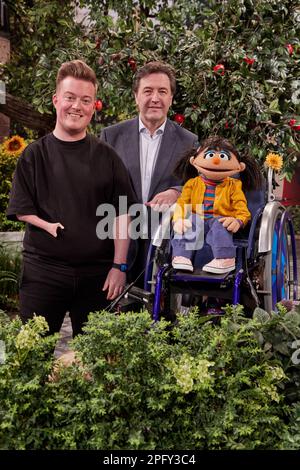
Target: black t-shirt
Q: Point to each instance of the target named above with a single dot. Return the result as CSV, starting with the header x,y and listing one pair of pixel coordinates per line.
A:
x,y
65,182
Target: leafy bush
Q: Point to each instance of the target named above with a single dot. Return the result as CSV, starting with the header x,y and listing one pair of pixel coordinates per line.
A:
x,y
291,438
23,375
194,387
279,336
141,385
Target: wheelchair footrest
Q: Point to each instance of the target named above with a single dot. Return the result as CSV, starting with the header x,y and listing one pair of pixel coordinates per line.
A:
x,y
199,275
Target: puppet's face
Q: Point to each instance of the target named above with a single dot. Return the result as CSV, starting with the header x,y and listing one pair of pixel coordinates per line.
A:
x,y
217,164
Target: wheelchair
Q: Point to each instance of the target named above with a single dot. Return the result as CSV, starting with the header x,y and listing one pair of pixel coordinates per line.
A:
x,y
265,273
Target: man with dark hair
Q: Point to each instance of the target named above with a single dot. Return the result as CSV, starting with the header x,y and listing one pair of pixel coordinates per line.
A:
x,y
150,144
155,67
59,183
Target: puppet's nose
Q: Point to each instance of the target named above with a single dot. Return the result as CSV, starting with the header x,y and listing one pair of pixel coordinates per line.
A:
x,y
216,160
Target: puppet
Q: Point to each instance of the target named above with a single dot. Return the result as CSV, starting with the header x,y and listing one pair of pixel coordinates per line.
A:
x,y
212,201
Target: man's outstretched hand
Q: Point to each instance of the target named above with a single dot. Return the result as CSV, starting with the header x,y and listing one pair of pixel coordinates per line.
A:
x,y
162,201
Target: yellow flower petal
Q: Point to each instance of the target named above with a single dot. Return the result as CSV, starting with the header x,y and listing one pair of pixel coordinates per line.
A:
x,y
274,161
14,146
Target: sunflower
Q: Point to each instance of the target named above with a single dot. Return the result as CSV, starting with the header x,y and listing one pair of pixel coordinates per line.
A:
x,y
14,146
274,161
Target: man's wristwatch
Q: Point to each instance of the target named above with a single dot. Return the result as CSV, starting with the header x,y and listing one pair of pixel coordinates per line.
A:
x,y
122,267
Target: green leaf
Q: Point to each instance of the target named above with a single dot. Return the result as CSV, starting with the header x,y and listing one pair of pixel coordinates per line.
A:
x,y
261,315
274,106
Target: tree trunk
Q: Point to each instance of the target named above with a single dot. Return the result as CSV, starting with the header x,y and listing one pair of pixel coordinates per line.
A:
x,y
24,113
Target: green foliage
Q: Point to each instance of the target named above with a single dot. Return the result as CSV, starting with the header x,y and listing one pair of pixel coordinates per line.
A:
x,y
23,375
291,438
250,104
141,385
37,29
277,335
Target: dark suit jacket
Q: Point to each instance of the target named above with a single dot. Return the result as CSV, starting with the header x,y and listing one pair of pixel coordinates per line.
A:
x,y
124,138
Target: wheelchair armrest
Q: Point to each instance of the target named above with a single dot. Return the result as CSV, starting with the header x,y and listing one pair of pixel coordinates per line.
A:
x,y
253,226
164,229
245,236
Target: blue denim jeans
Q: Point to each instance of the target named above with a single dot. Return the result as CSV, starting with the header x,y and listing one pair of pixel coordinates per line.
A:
x,y
217,236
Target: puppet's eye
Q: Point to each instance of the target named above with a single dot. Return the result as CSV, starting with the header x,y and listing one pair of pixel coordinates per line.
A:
x,y
209,154
224,156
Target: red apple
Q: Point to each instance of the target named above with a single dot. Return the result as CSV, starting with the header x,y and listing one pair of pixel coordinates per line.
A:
x,y
98,105
179,118
249,61
219,68
293,124
132,64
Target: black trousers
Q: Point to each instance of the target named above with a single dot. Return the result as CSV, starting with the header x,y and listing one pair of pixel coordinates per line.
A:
x,y
51,292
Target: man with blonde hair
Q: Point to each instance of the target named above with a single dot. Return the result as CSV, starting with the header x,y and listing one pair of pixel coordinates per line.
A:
x,y
60,181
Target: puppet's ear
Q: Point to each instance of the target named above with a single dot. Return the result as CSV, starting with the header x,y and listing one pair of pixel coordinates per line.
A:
x,y
242,166
192,160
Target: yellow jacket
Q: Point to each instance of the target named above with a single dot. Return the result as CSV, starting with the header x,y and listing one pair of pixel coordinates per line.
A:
x,y
230,201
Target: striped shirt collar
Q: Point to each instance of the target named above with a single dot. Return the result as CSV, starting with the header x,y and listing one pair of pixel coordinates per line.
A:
x,y
210,182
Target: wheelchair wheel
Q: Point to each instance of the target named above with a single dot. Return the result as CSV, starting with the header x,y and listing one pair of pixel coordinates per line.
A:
x,y
280,265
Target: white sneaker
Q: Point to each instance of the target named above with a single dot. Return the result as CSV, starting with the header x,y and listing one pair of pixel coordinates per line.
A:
x,y
182,263
220,266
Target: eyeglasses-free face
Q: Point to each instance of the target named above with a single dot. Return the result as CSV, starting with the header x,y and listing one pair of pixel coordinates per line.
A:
x,y
74,102
153,99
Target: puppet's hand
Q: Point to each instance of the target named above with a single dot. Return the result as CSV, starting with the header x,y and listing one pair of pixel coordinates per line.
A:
x,y
230,223
181,225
